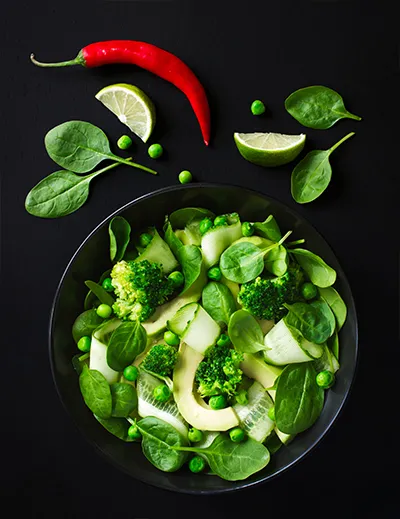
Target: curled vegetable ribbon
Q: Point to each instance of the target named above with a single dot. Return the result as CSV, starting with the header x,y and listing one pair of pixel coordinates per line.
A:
x,y
149,57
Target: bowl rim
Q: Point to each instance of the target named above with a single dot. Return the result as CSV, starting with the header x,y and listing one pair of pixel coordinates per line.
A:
x,y
238,485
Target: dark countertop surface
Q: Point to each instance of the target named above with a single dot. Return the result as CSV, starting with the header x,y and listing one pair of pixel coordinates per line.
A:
x,y
240,53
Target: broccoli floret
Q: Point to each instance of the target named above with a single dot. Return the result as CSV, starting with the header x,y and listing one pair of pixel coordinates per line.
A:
x,y
264,297
161,360
219,372
140,287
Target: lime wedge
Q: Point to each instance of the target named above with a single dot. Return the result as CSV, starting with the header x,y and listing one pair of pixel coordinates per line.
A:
x,y
132,107
269,149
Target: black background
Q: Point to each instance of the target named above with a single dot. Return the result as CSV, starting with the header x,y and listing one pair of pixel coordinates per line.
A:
x,y
240,52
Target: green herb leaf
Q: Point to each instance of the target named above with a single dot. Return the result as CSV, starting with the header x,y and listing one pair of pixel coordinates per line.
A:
x,y
96,392
191,260
276,261
124,399
117,426
336,303
126,342
91,298
321,274
245,332
85,324
218,301
269,229
317,107
315,321
101,294
173,242
79,360
120,232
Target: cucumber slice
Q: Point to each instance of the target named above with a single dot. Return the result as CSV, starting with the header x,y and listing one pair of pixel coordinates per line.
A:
x,y
328,361
182,318
149,406
285,438
254,416
98,360
215,241
158,252
202,332
285,345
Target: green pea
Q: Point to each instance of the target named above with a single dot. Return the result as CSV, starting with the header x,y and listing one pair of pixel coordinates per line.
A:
x,y
241,397
214,273
257,107
171,338
247,229
124,142
185,177
177,278
271,413
131,373
155,151
325,379
84,343
162,393
194,435
223,340
237,434
220,220
134,433
217,402
205,225
104,311
145,238
308,291
197,464
107,285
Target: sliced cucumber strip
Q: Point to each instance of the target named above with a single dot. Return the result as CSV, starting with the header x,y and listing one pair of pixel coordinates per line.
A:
x,y
215,241
157,251
202,332
182,318
285,438
254,416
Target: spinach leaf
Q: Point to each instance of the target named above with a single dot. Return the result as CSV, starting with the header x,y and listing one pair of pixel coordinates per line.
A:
x,y
91,298
336,303
276,261
101,294
317,107
315,321
85,324
333,344
182,217
269,229
117,426
321,274
158,441
124,399
312,175
191,260
233,461
60,194
298,399
80,146
96,392
218,301
79,360
126,342
173,242
243,261
120,232
245,332
273,443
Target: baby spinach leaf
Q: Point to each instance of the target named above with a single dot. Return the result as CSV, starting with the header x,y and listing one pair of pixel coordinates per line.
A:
x,y
218,301
276,261
182,217
298,399
190,259
101,294
60,194
85,324
91,298
158,441
321,274
79,360
126,342
80,146
312,175
120,232
117,426
96,392
245,332
124,399
336,303
333,344
269,229
315,321
273,443
233,461
317,107
173,242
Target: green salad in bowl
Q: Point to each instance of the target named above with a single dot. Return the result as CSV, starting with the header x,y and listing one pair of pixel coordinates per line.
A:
x,y
211,341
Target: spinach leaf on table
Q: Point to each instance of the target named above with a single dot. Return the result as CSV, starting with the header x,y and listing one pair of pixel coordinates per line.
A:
x,y
298,399
91,298
218,301
96,392
117,426
126,342
336,303
245,332
315,321
124,399
313,173
321,274
317,107
80,146
85,324
102,295
119,231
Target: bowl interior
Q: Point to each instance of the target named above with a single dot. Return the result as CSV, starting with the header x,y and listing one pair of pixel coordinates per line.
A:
x,y
92,258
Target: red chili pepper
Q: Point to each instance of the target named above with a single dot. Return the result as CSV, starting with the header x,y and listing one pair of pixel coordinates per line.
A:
x,y
149,57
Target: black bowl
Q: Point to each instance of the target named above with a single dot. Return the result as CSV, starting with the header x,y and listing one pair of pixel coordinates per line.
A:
x,y
92,258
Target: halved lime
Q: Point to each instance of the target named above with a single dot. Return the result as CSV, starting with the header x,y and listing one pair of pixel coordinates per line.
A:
x,y
269,149
132,106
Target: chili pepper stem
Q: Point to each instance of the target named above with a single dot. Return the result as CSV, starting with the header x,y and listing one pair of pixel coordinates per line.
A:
x,y
79,60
